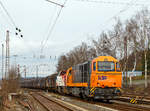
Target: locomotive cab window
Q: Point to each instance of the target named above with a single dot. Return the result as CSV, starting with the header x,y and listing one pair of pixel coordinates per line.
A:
x,y
117,66
94,66
106,66
70,72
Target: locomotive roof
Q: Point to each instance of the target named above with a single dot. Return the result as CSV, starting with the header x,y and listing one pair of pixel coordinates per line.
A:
x,y
82,63
105,58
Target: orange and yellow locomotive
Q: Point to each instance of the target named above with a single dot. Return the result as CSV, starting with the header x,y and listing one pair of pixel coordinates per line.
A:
x,y
99,78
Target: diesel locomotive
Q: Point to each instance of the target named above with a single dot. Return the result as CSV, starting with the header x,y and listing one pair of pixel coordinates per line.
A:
x,y
99,78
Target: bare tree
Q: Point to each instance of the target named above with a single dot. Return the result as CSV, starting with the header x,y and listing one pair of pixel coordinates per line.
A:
x,y
78,55
103,46
117,39
144,31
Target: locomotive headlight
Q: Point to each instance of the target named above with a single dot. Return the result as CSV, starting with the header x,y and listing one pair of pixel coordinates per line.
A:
x,y
114,83
98,84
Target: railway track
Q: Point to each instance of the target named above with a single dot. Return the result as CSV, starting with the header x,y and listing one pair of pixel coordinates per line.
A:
x,y
48,104
116,105
139,100
121,106
146,97
52,104
26,105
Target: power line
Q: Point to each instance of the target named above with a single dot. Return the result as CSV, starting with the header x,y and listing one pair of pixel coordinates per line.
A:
x,y
53,26
5,17
12,21
118,13
50,23
55,3
48,28
18,31
113,3
51,29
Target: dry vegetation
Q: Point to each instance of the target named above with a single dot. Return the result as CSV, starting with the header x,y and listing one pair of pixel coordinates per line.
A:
x,y
9,85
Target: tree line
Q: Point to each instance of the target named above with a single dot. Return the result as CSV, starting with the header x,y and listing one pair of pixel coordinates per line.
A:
x,y
127,41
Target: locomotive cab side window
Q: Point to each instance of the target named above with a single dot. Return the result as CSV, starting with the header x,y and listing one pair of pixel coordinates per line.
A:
x,y
70,72
94,66
117,66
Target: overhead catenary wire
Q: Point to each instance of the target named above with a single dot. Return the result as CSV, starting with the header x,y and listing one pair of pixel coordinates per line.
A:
x,y
112,3
100,1
5,18
57,4
48,28
18,31
121,11
118,13
9,16
53,26
47,32
55,21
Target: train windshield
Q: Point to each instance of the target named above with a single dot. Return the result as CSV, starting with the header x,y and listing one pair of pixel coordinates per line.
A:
x,y
106,66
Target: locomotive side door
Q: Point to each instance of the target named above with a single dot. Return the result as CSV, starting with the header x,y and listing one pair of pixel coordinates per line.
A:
x,y
69,77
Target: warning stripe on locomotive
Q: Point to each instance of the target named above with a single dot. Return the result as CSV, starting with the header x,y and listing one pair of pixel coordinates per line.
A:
x,y
92,91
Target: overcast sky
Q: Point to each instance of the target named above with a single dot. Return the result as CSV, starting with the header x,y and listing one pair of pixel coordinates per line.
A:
x,y
78,22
